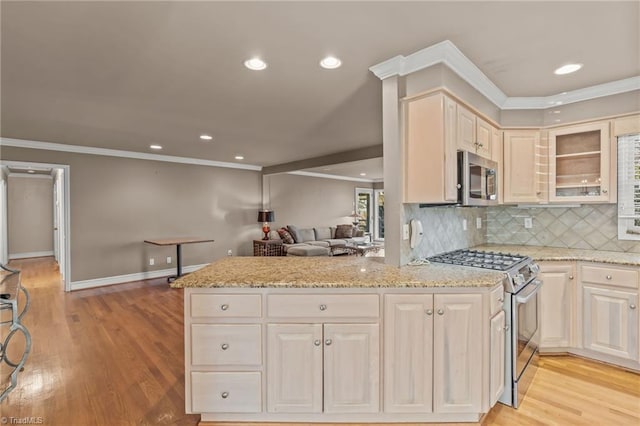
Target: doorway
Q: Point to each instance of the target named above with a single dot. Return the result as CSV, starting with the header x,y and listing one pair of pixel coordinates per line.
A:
x,y
59,178
369,206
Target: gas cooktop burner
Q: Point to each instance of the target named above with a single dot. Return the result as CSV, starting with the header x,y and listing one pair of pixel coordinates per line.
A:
x,y
479,259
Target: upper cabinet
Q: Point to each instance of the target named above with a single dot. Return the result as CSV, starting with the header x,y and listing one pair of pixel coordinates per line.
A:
x,y
474,134
523,167
579,163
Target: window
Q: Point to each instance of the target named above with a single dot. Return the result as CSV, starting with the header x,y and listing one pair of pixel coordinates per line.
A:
x,y
369,206
629,187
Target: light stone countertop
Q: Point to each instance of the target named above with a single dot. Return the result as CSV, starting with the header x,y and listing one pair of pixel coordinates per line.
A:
x,y
538,253
331,272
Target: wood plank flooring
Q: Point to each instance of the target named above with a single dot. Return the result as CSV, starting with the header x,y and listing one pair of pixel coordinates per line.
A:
x,y
114,356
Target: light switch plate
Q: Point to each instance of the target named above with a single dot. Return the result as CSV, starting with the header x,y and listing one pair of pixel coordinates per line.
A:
x,y
405,231
528,222
464,224
478,223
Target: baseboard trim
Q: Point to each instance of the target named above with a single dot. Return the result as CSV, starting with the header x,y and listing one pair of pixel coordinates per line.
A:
x,y
31,254
138,276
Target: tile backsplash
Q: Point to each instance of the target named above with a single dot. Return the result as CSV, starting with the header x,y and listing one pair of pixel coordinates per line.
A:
x,y
585,227
443,230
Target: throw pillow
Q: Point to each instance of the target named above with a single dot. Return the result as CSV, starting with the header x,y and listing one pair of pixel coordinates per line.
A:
x,y
344,231
295,233
285,236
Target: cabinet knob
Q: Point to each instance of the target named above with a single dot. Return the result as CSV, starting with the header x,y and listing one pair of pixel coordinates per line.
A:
x,y
500,299
440,312
224,395
608,277
323,307
224,346
429,312
539,192
224,307
506,328
317,342
604,191
632,306
327,342
459,186
570,277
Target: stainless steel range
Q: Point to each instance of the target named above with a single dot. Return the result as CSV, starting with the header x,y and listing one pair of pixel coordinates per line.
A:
x,y
522,309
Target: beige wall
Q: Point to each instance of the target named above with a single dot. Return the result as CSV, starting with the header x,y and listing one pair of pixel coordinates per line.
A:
x,y
116,203
30,214
307,201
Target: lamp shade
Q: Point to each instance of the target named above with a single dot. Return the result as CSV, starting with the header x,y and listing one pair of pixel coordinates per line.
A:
x,y
266,216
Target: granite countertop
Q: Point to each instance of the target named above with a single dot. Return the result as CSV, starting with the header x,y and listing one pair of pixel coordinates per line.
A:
x,y
331,272
553,253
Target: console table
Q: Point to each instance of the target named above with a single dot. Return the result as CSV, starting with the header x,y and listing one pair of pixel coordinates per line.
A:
x,y
11,290
178,242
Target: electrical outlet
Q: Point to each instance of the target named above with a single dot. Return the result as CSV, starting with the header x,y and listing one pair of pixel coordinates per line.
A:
x,y
152,261
405,232
464,224
478,223
528,222
229,252
168,259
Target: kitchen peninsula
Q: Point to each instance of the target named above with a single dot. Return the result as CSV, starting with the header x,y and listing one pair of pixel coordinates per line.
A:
x,y
341,340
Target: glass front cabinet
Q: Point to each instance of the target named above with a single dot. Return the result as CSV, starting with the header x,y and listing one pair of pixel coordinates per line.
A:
x,y
579,163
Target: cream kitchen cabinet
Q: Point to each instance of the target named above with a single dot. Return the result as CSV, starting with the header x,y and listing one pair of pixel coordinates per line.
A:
x,y
626,125
430,160
558,295
432,346
331,368
579,163
497,357
523,161
474,134
610,310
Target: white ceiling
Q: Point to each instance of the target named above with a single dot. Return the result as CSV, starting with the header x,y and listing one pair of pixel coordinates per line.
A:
x,y
124,75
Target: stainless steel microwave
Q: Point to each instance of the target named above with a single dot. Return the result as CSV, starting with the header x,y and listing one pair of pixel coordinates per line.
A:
x,y
477,180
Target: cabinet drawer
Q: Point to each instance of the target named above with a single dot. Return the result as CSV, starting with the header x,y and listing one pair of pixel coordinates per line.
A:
x,y
609,275
226,305
226,392
497,300
225,344
320,305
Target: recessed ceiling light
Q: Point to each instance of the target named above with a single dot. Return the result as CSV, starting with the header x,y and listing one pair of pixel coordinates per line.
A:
x,y
567,69
239,157
31,171
155,146
330,63
206,137
255,64
556,111
363,174
558,120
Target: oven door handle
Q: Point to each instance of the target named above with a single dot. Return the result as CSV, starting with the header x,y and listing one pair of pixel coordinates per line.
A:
x,y
529,292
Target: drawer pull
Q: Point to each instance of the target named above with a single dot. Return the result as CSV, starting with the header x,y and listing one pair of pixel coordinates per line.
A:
x,y
327,342
440,312
429,312
317,342
570,277
224,346
632,306
224,395
608,277
323,307
224,307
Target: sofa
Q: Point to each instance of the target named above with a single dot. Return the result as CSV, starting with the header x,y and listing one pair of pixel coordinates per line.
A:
x,y
307,240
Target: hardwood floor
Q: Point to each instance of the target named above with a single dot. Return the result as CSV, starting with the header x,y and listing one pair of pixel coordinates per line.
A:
x,y
114,356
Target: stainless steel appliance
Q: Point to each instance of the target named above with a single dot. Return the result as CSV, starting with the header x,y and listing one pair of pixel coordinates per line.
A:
x,y
522,309
477,180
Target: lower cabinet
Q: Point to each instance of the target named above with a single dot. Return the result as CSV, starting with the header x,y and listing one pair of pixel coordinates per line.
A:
x,y
557,294
433,346
331,368
497,357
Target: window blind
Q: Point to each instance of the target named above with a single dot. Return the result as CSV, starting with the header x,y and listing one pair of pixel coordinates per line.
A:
x,y
629,185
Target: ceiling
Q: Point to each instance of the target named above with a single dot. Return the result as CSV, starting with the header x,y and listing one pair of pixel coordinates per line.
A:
x,y
369,170
125,75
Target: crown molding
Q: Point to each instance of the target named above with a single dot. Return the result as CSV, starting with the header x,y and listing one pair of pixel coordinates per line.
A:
x,y
49,146
448,54
336,177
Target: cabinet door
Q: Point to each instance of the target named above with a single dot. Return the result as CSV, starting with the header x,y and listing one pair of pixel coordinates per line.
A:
x,y
579,163
496,372
484,138
466,130
557,304
611,322
408,353
522,171
294,368
351,368
457,353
